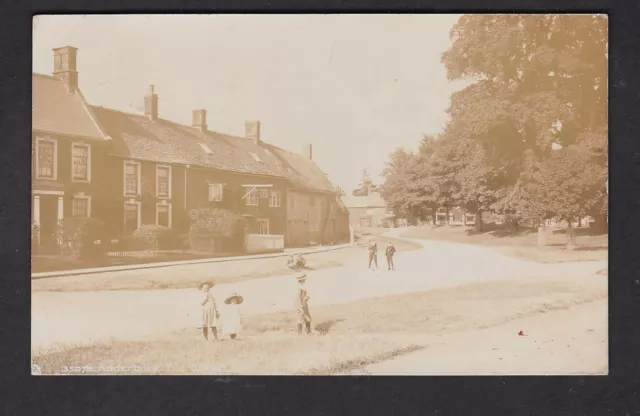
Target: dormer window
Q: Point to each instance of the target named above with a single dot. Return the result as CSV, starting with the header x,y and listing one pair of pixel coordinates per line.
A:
x,y
206,149
255,157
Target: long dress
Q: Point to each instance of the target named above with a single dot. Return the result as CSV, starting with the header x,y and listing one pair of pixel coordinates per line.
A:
x,y
209,312
231,320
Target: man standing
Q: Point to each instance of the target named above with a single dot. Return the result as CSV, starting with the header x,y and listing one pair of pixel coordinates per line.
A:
x,y
302,305
389,252
373,254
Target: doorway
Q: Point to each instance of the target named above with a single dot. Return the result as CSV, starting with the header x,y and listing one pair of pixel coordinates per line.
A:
x,y
48,220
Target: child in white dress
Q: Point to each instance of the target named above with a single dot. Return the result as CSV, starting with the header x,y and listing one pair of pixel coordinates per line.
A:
x,y
231,319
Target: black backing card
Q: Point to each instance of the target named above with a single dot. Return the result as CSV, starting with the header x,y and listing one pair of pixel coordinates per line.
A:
x,y
615,394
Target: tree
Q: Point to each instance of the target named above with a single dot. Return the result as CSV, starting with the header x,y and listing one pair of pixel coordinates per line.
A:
x,y
540,80
366,186
396,189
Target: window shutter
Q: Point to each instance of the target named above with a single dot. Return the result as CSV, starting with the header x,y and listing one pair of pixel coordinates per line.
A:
x,y
210,192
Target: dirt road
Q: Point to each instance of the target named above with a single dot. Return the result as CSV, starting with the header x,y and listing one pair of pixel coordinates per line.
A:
x,y
87,317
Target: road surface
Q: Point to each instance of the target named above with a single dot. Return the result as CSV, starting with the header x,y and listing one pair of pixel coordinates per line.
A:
x,y
86,317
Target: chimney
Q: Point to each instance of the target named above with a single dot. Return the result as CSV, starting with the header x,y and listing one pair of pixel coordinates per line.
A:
x,y
200,120
307,151
151,104
64,66
252,131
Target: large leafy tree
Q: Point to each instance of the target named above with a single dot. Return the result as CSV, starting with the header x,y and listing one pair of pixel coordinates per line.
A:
x,y
540,82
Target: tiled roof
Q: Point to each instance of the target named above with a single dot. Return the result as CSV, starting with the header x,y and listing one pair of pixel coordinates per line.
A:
x,y
303,172
164,141
373,200
56,110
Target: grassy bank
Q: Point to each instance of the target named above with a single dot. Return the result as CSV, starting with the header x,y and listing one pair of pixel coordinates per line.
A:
x,y
346,335
188,276
522,243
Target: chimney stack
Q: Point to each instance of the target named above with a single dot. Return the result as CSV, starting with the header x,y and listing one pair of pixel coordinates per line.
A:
x,y
252,131
307,151
64,66
200,120
151,104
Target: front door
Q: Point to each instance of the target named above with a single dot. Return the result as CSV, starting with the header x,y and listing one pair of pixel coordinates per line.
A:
x,y
48,220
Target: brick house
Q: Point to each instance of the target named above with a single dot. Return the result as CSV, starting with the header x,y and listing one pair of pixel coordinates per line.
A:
x,y
142,169
160,170
67,149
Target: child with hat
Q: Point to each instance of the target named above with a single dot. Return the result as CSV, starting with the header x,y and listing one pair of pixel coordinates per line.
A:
x,y
210,314
389,252
302,304
231,319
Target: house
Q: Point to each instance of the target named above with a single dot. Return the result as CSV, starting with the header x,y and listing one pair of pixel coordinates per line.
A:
x,y
457,216
68,149
154,171
160,170
315,213
368,210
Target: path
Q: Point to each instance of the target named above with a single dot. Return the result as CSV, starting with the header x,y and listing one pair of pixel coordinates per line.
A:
x,y
571,341
85,317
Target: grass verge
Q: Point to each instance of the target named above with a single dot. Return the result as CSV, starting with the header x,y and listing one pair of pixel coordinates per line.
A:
x,y
523,243
346,335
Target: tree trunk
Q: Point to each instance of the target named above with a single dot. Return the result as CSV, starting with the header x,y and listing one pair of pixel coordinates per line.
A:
x,y
479,223
542,234
446,220
571,244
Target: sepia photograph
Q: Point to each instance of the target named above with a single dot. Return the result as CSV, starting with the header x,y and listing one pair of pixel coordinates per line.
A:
x,y
320,194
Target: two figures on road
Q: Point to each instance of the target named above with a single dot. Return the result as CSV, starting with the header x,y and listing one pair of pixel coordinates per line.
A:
x,y
230,320
389,251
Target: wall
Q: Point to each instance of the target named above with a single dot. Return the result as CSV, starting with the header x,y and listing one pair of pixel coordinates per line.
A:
x,y
198,196
308,218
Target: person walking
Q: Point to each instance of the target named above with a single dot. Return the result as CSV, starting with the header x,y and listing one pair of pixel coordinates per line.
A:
x,y
210,314
231,318
389,252
302,305
373,254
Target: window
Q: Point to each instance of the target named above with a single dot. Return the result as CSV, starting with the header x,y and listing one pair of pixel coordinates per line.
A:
x,y
163,181
80,162
274,199
313,226
263,226
131,178
252,198
215,192
80,207
46,159
131,217
163,215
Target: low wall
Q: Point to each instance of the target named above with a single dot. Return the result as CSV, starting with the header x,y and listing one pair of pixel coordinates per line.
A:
x,y
258,243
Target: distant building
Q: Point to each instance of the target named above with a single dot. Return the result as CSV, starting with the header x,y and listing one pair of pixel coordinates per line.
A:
x,y
368,211
457,216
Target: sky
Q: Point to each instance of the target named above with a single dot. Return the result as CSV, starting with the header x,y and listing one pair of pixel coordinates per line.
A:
x,y
354,86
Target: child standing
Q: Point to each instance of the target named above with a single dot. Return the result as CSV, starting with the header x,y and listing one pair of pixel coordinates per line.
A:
x,y
373,254
231,319
389,252
210,314
302,305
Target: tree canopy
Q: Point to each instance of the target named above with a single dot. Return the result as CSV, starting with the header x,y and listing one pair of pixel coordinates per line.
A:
x,y
528,138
